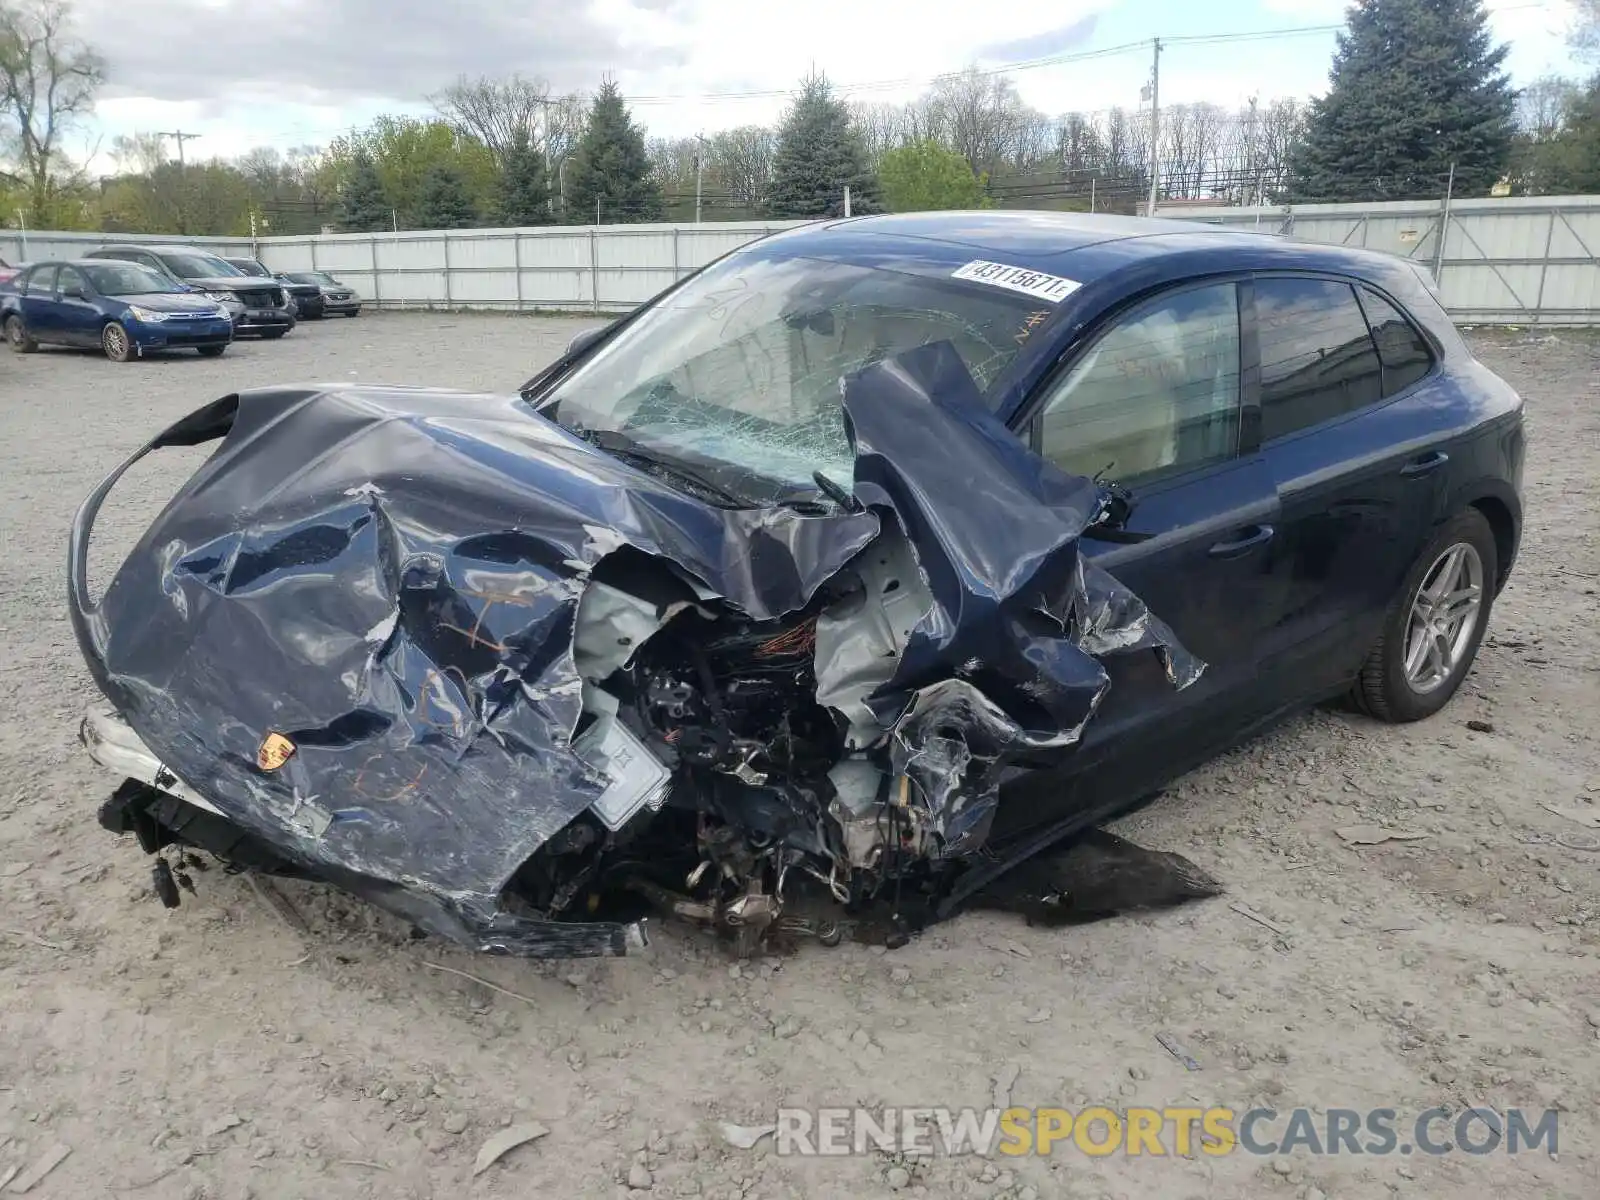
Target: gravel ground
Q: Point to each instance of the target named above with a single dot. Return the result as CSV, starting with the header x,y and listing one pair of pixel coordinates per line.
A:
x,y
217,1051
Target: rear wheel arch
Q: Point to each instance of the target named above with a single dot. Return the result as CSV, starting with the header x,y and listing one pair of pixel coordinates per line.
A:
x,y
1504,525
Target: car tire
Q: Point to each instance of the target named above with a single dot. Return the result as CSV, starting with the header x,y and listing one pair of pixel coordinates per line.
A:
x,y
357,313
272,335
1428,642
116,343
17,334
211,351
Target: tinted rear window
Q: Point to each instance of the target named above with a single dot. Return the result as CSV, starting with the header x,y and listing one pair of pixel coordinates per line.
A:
x,y
1317,357
1405,355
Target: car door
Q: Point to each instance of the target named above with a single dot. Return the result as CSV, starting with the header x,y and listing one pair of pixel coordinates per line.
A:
x,y
40,312
1357,474
77,314
1157,403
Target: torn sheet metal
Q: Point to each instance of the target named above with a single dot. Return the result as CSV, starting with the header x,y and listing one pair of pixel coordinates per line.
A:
x,y
1004,652
401,584
389,578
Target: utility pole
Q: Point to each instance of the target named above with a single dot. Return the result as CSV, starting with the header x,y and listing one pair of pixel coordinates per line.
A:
x,y
1251,176
1155,124
180,137
699,173
847,200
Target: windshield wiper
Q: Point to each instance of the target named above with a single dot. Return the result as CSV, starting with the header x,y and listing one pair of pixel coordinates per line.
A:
x,y
625,448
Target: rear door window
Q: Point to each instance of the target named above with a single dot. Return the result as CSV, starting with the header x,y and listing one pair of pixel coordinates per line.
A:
x,y
1318,360
1402,350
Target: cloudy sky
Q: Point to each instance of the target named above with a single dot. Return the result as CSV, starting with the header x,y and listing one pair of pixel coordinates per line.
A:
x,y
301,71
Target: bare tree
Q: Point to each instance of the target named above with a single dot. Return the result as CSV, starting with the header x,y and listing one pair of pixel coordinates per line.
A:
x,y
672,161
1543,106
1282,126
498,112
741,161
978,116
1079,146
882,127
1033,141
48,81
495,111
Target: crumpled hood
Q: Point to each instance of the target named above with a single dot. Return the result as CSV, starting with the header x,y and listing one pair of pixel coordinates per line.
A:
x,y
389,577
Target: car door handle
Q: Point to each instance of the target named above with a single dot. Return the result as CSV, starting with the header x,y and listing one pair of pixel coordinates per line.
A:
x,y
1423,463
1252,536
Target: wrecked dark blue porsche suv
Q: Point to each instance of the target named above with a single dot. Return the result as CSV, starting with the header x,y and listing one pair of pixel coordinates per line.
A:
x,y
850,582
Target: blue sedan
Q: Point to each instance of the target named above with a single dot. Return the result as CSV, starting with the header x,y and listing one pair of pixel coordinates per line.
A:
x,y
125,309
836,583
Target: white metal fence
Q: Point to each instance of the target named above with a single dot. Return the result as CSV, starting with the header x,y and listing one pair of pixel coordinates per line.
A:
x,y
597,268
1514,260
1523,260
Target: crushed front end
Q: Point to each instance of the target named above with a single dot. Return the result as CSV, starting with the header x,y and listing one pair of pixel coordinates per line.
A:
x,y
434,649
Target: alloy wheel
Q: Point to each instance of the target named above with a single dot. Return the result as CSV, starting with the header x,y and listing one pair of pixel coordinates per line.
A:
x,y
115,341
1444,615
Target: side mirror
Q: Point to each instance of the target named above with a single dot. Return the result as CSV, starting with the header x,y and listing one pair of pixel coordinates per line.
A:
x,y
586,339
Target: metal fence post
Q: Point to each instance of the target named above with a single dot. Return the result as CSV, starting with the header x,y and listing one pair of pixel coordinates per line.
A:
x,y
1544,268
372,248
1444,229
446,239
516,262
677,271
594,268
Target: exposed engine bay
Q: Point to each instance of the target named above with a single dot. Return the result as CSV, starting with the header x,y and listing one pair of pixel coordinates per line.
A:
x,y
477,670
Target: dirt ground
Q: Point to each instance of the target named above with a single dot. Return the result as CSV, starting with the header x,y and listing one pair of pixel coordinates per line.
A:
x,y
217,1051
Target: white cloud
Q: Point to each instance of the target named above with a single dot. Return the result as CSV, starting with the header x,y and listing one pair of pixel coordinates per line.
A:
x,y
315,68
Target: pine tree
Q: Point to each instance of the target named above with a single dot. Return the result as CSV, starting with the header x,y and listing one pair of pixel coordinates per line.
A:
x,y
524,195
819,155
443,201
1416,85
610,168
362,206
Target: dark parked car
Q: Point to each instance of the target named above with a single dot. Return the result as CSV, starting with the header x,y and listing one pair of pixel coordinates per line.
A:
x,y
305,300
337,297
836,583
125,309
259,307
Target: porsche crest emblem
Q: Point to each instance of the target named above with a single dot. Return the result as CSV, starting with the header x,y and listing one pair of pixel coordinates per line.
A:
x,y
274,752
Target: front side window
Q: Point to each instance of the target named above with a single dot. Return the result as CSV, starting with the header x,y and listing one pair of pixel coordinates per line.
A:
x,y
249,266
1159,391
740,367
1317,357
70,278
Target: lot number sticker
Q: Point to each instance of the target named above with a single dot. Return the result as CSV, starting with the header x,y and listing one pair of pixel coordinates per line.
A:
x,y
1030,283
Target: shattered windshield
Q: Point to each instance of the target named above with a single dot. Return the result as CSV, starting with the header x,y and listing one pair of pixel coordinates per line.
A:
x,y
739,370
